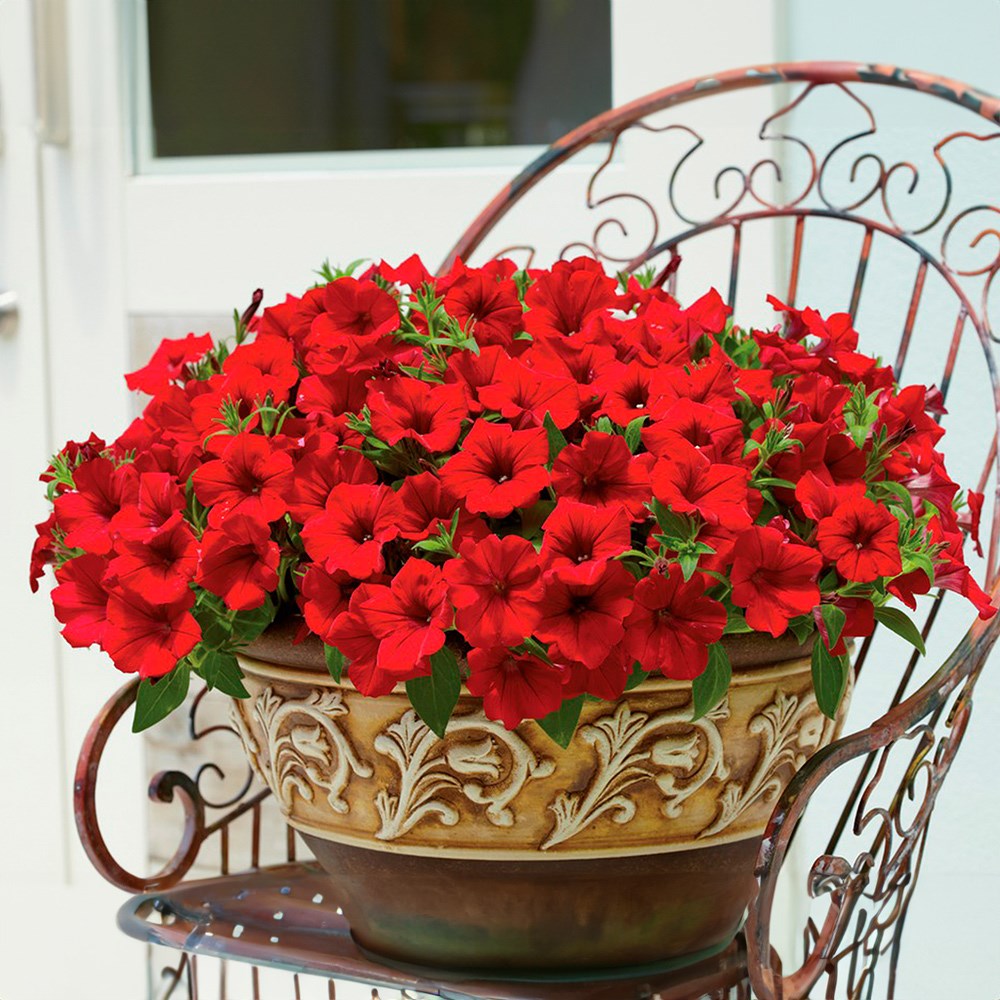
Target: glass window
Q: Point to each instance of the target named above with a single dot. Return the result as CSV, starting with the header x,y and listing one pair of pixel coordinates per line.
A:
x,y
287,76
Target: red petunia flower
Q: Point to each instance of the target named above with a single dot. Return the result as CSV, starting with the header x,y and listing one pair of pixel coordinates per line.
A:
x,y
498,469
523,397
160,567
352,635
272,359
323,597
409,409
673,623
159,499
42,551
250,478
561,301
817,499
495,587
350,533
514,688
329,397
607,680
582,609
239,562
149,639
691,484
409,617
86,513
323,465
859,621
168,363
577,532
472,371
358,310
602,472
427,505
81,600
487,309
625,392
717,434
774,579
862,539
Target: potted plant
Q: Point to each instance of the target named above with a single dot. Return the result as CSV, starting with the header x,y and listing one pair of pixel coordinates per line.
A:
x,y
532,589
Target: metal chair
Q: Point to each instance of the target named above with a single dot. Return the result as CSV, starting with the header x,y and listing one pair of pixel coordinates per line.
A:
x,y
817,190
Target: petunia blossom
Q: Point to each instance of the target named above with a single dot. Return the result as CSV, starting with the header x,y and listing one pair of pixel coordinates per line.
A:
x,y
673,623
358,520
495,587
773,579
239,562
498,469
583,607
862,539
149,639
514,687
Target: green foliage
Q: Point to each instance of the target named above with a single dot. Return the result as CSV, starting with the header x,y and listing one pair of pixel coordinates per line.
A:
x,y
829,676
434,697
710,686
560,725
557,440
221,672
334,661
156,700
902,624
834,620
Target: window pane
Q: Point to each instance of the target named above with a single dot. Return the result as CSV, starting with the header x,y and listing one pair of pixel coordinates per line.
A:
x,y
280,76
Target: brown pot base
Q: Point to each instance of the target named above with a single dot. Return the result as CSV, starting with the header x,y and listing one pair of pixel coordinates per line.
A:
x,y
565,916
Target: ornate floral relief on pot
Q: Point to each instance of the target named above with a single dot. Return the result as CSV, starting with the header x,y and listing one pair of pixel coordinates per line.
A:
x,y
640,776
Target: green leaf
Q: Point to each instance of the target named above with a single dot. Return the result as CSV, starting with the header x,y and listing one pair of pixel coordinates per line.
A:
x,y
688,563
248,625
156,701
829,676
605,426
899,491
902,624
557,440
334,661
633,434
710,686
561,724
802,627
637,676
834,619
434,697
736,623
222,672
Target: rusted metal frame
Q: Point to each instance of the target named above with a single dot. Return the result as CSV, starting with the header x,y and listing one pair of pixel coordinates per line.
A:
x,y
897,697
164,787
911,317
859,278
793,277
956,337
734,264
609,125
964,662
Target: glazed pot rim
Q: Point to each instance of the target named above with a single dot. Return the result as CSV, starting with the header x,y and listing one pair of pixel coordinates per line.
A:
x,y
758,674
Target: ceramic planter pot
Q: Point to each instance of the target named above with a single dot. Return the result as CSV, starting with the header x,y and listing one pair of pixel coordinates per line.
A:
x,y
496,850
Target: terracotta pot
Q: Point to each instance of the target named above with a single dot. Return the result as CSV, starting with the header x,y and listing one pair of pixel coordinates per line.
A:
x,y
496,850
